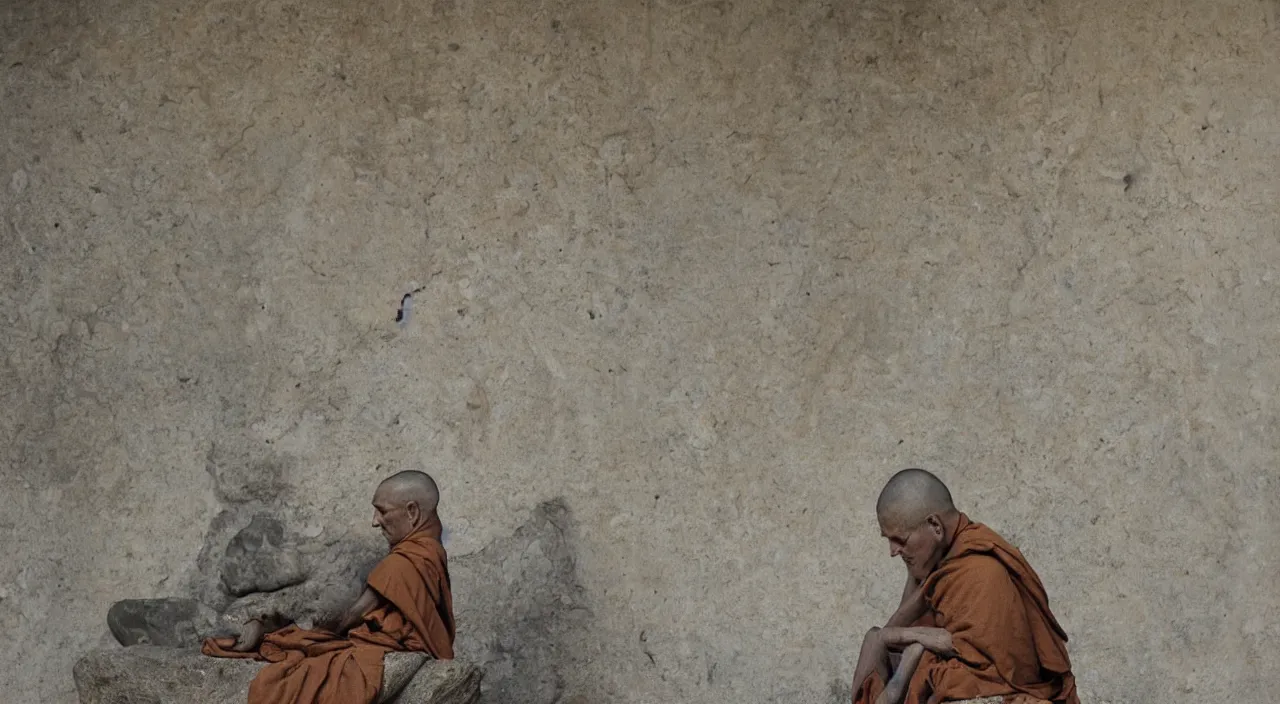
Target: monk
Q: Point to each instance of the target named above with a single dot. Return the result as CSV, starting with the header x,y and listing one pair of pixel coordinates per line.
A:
x,y
406,605
974,620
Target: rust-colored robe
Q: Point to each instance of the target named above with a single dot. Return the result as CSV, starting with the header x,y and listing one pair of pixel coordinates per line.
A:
x,y
1006,639
318,667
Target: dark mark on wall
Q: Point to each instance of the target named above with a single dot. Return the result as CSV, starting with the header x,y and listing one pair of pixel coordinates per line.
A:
x,y
405,311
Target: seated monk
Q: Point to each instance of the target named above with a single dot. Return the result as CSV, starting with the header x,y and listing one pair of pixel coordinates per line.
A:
x,y
974,620
406,605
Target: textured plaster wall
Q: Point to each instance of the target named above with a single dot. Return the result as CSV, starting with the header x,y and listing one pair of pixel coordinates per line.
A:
x,y
708,271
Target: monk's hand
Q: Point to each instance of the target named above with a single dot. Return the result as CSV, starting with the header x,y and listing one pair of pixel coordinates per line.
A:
x,y
250,636
328,623
935,640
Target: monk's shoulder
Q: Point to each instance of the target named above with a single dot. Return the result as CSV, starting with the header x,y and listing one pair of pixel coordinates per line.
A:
x,y
413,555
976,564
390,563
969,573
422,549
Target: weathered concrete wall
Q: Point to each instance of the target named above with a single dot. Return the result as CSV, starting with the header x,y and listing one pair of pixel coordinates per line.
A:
x,y
709,271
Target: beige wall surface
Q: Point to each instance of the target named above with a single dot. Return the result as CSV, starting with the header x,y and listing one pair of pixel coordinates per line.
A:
x,y
707,271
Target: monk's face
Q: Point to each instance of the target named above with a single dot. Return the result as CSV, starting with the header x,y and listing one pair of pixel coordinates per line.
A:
x,y
921,546
394,516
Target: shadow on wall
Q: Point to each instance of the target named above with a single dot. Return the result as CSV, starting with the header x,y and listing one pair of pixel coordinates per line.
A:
x,y
521,611
519,607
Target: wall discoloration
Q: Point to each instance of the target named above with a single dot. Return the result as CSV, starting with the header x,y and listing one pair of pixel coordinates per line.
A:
x,y
708,271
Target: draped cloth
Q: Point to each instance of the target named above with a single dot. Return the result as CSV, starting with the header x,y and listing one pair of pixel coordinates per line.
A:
x,y
1007,641
414,612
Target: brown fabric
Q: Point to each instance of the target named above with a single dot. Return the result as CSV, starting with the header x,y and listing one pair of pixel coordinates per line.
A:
x,y
871,688
1007,641
317,667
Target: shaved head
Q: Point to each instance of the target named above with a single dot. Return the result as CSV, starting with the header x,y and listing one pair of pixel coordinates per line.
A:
x,y
918,519
911,496
406,502
412,485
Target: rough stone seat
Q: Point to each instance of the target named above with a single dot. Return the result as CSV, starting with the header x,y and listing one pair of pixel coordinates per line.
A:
x,y
145,674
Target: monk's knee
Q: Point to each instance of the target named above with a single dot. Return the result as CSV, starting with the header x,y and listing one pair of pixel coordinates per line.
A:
x,y
872,634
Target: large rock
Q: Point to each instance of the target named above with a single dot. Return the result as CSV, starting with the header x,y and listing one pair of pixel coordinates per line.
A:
x,y
335,577
168,622
155,675
259,559
441,682
522,614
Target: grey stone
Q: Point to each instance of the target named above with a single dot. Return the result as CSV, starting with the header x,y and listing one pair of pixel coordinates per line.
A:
x,y
259,559
155,675
169,622
441,682
335,575
397,670
519,607
206,584
518,602
241,476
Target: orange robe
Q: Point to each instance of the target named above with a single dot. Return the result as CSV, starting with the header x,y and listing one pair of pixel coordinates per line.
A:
x,y
318,667
1006,639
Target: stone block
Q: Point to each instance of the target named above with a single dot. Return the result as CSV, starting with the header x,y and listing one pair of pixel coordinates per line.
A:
x,y
157,675
259,559
169,622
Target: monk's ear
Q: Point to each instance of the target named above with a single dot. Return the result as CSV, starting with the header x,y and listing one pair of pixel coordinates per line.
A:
x,y
935,525
414,511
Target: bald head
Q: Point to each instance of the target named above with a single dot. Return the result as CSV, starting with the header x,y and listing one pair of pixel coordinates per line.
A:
x,y
412,485
911,496
918,519
406,502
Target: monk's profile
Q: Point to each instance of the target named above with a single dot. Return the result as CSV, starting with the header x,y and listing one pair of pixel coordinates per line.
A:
x,y
974,620
406,605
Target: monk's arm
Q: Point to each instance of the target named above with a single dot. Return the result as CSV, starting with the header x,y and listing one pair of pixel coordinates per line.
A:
x,y
911,587
912,607
354,614
895,690
937,640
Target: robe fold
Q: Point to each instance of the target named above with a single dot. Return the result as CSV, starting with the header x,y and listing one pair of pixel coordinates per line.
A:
x,y
415,613
1007,641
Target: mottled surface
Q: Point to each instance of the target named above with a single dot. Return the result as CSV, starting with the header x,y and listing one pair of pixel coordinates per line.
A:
x,y
710,271
155,675
522,612
258,560
170,622
520,609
